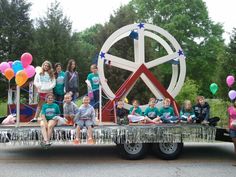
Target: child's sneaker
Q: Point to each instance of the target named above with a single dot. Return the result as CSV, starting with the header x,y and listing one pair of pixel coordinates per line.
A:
x,y
35,119
173,121
42,143
183,121
48,143
205,122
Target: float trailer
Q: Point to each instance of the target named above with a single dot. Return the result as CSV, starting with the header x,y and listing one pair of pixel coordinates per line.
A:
x,y
132,141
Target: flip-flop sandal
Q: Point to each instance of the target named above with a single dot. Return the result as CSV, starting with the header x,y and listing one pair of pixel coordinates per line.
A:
x,y
76,141
90,141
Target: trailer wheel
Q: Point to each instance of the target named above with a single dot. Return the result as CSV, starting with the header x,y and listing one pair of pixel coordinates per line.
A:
x,y
132,151
167,151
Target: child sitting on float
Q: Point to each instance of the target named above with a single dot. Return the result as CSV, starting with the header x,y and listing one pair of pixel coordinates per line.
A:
x,y
121,113
167,112
85,118
70,109
152,113
187,114
49,118
135,112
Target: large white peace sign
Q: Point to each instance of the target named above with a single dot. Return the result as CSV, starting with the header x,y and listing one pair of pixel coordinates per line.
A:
x,y
154,32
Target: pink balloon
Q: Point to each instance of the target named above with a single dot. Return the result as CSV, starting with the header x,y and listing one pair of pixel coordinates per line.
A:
x,y
26,59
232,94
10,63
30,71
3,66
230,80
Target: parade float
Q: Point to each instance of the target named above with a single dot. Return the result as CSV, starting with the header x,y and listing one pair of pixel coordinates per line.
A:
x,y
134,140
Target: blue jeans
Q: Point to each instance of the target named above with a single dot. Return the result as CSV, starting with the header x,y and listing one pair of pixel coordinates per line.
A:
x,y
184,118
170,119
95,101
232,133
59,101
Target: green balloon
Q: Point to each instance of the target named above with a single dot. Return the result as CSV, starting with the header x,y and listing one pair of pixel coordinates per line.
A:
x,y
214,88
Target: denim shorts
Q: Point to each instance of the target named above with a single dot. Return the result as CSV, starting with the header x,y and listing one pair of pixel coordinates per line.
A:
x,y
232,133
84,123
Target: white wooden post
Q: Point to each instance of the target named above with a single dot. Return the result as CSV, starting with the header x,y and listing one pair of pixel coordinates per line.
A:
x,y
100,103
31,93
10,96
17,106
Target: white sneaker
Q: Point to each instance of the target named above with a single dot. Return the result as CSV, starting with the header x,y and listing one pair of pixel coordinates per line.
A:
x,y
205,122
35,119
183,121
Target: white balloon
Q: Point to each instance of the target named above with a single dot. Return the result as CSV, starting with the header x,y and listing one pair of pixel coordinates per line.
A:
x,y
38,69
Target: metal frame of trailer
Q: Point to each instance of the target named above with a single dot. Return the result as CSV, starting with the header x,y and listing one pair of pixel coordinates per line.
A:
x,y
132,141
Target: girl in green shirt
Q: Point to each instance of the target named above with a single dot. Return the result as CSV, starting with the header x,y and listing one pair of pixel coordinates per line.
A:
x,y
60,85
135,112
50,112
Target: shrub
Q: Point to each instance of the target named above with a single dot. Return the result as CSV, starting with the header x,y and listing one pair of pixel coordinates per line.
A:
x,y
189,91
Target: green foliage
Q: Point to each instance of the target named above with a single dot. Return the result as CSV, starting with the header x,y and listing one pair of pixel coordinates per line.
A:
x,y
3,109
52,37
226,66
200,38
187,20
84,48
189,91
16,31
219,109
15,28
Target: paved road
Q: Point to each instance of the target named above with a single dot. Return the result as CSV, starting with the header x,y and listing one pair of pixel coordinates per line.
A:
x,y
197,160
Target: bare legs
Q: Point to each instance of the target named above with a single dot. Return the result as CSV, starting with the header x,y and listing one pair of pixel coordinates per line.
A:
x,y
77,135
47,128
39,107
89,134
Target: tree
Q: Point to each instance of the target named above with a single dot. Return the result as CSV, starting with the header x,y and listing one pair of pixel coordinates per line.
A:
x,y
15,32
52,37
85,47
200,38
226,66
15,28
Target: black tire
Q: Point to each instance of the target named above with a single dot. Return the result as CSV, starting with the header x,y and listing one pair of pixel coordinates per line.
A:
x,y
167,151
132,151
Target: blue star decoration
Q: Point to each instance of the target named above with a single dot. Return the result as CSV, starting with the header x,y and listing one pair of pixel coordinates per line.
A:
x,y
141,25
180,52
102,55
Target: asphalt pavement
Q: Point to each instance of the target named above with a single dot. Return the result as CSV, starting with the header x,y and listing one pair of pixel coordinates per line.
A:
x,y
196,160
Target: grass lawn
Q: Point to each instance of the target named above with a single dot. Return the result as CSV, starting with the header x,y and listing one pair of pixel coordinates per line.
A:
x,y
3,109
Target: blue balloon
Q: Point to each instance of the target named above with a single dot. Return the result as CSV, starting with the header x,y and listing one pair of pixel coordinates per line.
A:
x,y
17,66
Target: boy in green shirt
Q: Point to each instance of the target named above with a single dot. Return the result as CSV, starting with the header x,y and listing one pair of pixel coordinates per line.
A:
x,y
94,81
152,113
167,112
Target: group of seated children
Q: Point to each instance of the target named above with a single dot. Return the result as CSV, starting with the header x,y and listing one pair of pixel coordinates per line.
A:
x,y
198,113
84,116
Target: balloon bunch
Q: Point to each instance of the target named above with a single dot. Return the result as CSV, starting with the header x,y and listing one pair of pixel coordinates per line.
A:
x,y
230,81
21,69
